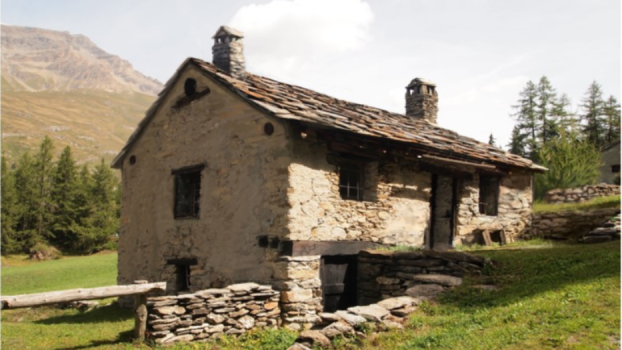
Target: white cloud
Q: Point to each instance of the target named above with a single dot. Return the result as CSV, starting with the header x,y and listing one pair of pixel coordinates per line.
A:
x,y
282,34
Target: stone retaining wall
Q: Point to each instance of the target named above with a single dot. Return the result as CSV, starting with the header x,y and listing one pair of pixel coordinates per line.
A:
x,y
212,312
569,224
385,274
581,194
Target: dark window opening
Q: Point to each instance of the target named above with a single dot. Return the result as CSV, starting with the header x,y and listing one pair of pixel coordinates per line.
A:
x,y
615,168
488,195
187,194
132,160
350,182
182,273
190,87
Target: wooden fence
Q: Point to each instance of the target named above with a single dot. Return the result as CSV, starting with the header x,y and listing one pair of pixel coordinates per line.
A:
x,y
139,289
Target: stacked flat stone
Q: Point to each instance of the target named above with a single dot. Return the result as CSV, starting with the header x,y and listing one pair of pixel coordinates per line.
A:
x,y
390,313
212,312
421,274
581,194
608,231
569,225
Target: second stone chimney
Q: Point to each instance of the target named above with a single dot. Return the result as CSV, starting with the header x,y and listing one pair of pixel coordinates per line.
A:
x,y
422,100
228,52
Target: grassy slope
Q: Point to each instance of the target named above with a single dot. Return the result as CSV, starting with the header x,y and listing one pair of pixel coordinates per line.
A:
x,y
551,296
596,203
95,124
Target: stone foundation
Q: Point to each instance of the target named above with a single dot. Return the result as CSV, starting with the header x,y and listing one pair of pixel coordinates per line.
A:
x,y
212,312
570,224
384,274
581,194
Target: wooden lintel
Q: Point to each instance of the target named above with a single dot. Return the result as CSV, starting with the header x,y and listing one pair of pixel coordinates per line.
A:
x,y
458,162
451,172
307,248
38,299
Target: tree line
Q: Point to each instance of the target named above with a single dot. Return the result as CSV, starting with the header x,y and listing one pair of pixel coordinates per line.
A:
x,y
58,203
567,141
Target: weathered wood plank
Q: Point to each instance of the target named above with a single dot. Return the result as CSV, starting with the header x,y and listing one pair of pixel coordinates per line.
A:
x,y
306,248
28,300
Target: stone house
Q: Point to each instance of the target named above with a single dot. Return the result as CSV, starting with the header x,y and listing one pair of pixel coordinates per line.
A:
x,y
610,169
233,177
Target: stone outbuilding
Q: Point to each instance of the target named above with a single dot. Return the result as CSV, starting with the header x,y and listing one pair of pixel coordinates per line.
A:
x,y
234,177
610,169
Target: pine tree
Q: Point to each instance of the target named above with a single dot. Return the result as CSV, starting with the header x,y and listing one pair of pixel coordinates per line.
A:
x,y
517,142
492,141
611,112
44,168
565,119
546,97
27,203
527,119
63,196
592,117
9,212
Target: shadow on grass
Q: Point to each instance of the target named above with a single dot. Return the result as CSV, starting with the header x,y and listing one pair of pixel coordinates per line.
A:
x,y
124,337
524,273
109,313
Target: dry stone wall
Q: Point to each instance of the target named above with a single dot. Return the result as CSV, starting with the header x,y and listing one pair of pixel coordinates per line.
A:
x,y
212,312
570,224
385,274
581,194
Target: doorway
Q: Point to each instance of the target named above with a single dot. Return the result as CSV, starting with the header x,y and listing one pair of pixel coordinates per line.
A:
x,y
338,277
443,204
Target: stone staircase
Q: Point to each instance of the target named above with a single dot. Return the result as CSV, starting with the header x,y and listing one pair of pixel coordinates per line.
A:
x,y
608,231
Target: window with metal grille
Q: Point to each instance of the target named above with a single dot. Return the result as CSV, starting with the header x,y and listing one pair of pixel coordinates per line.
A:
x,y
350,182
488,195
187,193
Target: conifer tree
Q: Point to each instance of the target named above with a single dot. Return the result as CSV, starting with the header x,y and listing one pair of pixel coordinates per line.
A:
x,y
592,117
63,196
517,142
546,97
565,119
611,112
9,213
44,168
527,119
492,141
27,203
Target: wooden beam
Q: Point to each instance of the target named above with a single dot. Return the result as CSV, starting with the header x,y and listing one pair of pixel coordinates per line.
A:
x,y
38,299
457,162
306,248
140,314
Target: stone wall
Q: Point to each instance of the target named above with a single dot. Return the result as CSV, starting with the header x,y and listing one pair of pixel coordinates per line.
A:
x,y
581,194
212,312
514,209
385,274
570,224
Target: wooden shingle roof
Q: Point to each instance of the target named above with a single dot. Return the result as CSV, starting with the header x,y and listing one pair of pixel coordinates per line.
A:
x,y
292,102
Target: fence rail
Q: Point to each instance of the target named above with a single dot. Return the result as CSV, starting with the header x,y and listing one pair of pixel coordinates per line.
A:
x,y
139,289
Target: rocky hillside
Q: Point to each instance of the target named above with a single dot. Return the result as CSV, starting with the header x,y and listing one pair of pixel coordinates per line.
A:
x,y
64,86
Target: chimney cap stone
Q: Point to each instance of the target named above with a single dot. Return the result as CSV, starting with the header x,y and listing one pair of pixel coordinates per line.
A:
x,y
225,30
420,81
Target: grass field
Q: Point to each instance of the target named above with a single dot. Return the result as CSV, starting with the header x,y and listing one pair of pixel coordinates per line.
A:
x,y
596,203
551,296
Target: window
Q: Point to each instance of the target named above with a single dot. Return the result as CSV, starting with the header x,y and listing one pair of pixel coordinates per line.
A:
x,y
350,182
187,192
190,87
182,273
488,195
615,168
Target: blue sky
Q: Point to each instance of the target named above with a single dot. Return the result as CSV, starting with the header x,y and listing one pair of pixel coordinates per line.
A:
x,y
480,53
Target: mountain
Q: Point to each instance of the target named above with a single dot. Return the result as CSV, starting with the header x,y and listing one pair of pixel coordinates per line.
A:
x,y
64,86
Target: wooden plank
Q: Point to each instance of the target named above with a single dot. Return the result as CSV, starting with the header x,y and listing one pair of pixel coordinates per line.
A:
x,y
28,300
306,248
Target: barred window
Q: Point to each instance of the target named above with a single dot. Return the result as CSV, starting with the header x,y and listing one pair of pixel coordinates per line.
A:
x,y
187,193
351,182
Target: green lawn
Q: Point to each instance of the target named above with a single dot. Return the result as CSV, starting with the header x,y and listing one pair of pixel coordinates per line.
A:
x,y
596,203
551,297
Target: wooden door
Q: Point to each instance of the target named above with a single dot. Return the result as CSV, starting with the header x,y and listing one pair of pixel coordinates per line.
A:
x,y
338,276
443,204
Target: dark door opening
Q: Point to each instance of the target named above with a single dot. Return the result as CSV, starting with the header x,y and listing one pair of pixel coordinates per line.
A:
x,y
338,276
443,204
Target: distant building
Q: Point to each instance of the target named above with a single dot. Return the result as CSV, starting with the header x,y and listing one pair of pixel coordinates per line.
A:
x,y
610,170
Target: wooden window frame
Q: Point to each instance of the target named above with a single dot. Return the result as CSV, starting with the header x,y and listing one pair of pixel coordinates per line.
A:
x,y
351,181
193,176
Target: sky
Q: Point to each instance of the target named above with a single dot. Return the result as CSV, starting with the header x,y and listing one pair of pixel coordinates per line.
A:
x,y
480,53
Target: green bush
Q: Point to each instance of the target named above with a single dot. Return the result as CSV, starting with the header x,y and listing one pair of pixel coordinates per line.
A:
x,y
47,252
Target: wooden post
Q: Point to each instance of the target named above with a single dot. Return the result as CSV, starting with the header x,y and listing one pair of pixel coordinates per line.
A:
x,y
140,314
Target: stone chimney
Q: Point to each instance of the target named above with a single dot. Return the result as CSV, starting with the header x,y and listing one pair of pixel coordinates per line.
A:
x,y
422,100
228,52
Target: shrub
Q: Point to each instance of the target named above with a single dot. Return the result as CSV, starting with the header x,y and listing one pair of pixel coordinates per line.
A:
x,y
45,252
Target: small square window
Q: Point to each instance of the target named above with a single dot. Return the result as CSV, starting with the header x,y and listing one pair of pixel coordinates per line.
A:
x,y
351,182
488,195
615,168
187,194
